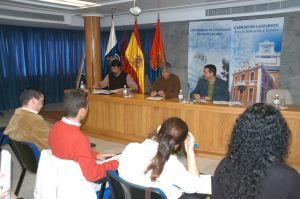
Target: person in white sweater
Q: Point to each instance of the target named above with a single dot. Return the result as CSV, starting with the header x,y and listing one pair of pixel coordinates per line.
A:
x,y
151,163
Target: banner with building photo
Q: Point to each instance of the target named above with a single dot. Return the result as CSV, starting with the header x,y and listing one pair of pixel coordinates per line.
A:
x,y
209,43
255,58
246,54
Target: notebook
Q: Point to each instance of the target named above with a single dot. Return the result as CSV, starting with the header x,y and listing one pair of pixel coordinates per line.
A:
x,y
116,157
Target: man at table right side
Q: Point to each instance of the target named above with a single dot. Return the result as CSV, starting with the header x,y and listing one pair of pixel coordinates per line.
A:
x,y
210,87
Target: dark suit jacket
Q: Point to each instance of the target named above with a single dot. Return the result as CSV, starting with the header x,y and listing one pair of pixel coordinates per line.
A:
x,y
221,91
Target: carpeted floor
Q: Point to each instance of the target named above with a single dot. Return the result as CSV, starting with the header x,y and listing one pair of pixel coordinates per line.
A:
x,y
52,113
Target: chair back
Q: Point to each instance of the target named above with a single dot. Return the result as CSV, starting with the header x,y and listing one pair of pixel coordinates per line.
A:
x,y
60,179
283,94
3,138
26,154
122,189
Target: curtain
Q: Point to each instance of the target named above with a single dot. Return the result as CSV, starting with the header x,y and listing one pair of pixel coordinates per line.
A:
x,y
49,60
46,59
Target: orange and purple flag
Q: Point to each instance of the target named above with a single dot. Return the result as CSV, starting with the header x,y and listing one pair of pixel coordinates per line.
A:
x,y
157,54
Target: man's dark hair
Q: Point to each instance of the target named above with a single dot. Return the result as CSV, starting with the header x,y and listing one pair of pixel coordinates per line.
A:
x,y
166,66
73,101
115,63
211,68
29,93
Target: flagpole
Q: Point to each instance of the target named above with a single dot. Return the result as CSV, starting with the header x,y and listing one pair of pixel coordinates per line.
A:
x,y
111,49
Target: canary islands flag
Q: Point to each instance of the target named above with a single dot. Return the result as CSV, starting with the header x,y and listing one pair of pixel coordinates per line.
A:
x,y
112,51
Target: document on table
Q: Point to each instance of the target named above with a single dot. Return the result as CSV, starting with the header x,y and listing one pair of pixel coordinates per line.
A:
x,y
199,101
230,103
220,102
154,98
105,92
234,103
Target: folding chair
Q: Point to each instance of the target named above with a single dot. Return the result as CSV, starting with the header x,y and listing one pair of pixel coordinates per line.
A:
x,y
28,156
122,189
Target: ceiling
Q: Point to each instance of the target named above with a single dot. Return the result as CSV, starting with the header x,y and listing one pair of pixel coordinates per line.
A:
x,y
106,7
42,13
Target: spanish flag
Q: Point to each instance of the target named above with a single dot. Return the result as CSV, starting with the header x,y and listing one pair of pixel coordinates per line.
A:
x,y
157,54
134,59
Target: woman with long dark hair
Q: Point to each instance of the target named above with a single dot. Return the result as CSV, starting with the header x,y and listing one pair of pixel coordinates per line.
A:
x,y
152,164
254,166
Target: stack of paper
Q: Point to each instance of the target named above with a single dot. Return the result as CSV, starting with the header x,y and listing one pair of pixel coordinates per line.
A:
x,y
220,102
231,103
155,98
104,92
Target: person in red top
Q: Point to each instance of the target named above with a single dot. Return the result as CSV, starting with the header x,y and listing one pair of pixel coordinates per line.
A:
x,y
67,141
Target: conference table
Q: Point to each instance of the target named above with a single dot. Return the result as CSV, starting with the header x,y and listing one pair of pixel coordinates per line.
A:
x,y
133,119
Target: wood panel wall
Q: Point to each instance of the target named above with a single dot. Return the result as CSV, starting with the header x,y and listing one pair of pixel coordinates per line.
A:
x,y
132,119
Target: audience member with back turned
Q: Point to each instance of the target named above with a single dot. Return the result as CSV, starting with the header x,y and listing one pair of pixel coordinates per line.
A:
x,y
67,141
167,85
117,78
152,163
210,87
26,124
254,167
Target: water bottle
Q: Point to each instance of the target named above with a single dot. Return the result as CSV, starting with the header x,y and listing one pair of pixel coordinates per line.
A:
x,y
82,86
125,91
180,96
276,100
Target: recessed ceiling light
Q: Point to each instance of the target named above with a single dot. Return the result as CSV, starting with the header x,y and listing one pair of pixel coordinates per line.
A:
x,y
76,3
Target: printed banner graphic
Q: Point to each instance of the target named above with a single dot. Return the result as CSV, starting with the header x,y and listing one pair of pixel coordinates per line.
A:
x,y
246,54
209,43
255,58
